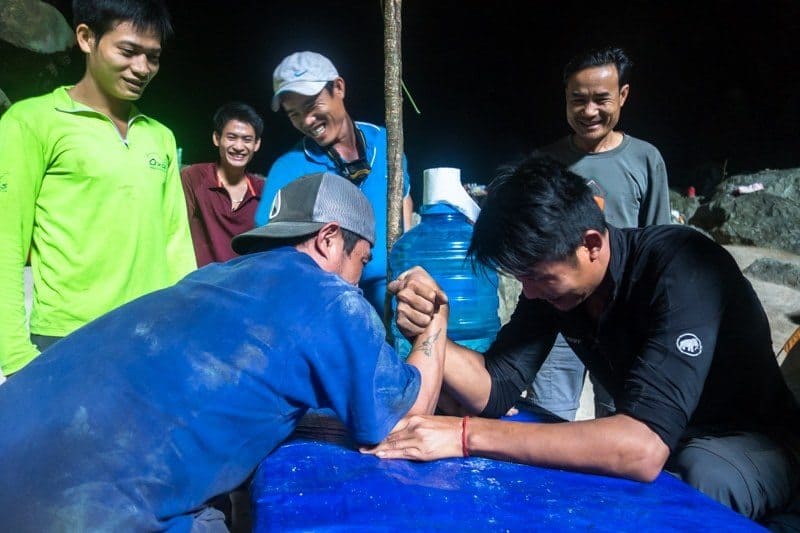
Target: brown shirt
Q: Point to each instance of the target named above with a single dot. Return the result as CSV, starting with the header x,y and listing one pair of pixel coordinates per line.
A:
x,y
211,219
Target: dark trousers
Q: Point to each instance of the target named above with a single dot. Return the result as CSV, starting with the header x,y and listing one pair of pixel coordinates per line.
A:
x,y
751,473
43,342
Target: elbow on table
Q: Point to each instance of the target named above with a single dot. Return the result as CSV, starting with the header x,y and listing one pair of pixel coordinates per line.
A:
x,y
647,473
648,460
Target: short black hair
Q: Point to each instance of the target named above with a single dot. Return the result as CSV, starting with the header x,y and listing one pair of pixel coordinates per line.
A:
x,y
238,111
104,15
597,58
534,211
350,240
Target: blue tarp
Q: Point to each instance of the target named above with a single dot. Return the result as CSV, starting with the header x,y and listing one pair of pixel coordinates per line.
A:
x,y
319,482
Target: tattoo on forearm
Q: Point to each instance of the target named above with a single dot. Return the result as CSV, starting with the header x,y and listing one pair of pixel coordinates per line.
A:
x,y
427,344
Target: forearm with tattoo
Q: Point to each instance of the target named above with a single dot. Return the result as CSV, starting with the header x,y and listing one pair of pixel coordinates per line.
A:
x,y
427,344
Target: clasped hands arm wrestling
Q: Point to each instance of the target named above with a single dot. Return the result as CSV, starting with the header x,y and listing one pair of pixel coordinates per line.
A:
x,y
618,445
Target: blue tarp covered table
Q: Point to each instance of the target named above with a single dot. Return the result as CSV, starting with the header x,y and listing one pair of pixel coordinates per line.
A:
x,y
318,481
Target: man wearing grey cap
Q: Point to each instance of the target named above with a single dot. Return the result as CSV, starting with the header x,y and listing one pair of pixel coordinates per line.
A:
x,y
310,91
157,407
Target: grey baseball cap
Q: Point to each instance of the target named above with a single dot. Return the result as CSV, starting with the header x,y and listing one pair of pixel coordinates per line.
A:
x,y
306,204
304,73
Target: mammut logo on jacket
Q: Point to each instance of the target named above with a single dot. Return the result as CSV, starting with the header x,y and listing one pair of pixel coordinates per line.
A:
x,y
689,344
154,161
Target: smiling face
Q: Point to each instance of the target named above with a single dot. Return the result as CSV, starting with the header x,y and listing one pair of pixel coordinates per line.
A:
x,y
564,284
321,117
237,144
123,61
594,103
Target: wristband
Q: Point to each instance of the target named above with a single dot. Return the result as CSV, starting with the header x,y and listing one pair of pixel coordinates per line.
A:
x,y
464,446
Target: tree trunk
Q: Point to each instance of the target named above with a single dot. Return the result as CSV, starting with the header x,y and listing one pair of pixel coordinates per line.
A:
x,y
393,63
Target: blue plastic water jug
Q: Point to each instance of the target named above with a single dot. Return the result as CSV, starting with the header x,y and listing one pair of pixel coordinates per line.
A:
x,y
439,244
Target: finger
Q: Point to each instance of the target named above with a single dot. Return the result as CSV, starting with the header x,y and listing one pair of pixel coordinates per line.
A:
x,y
369,451
416,269
400,281
423,288
412,319
398,440
416,302
395,286
410,332
405,453
441,297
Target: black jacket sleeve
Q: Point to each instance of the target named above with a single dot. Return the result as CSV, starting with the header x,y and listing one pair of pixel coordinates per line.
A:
x,y
517,353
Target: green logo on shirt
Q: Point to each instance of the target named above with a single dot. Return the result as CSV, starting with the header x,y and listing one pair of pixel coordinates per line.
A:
x,y
156,163
4,182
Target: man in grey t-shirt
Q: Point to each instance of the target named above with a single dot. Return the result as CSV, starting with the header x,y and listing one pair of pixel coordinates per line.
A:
x,y
629,178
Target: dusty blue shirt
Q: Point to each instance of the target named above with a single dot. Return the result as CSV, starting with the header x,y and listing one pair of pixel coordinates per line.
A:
x,y
138,418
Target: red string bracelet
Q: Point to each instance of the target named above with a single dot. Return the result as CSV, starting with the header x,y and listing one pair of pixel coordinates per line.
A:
x,y
464,446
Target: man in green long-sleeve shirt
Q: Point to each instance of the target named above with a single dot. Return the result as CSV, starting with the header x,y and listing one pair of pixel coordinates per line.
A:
x,y
89,187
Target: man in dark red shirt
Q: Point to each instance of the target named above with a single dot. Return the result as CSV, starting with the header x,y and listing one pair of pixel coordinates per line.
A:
x,y
222,197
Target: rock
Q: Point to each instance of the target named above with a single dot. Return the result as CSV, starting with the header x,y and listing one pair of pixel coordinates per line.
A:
x,y
34,25
774,271
765,218
784,183
508,292
684,205
5,103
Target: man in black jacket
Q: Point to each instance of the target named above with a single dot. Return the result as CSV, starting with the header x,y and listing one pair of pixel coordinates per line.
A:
x,y
662,316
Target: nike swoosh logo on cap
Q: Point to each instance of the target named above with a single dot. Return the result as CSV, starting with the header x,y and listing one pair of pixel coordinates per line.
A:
x,y
298,73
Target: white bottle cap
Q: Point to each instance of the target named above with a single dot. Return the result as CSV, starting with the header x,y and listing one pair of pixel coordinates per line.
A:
x,y
443,185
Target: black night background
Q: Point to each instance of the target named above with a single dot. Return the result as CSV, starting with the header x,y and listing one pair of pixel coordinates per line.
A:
x,y
714,83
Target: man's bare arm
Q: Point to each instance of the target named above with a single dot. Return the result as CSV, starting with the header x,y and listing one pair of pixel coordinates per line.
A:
x,y
465,377
618,445
428,341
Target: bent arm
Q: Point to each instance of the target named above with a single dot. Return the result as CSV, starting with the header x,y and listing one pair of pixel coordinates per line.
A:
x,y
428,356
422,315
428,335
513,357
466,380
618,445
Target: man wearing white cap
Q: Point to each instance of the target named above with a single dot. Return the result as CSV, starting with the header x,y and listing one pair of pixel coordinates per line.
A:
x,y
310,91
159,406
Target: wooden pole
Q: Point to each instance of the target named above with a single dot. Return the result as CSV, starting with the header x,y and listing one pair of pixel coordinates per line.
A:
x,y
393,71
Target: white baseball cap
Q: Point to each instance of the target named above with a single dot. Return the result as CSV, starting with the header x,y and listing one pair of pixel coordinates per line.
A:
x,y
304,73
